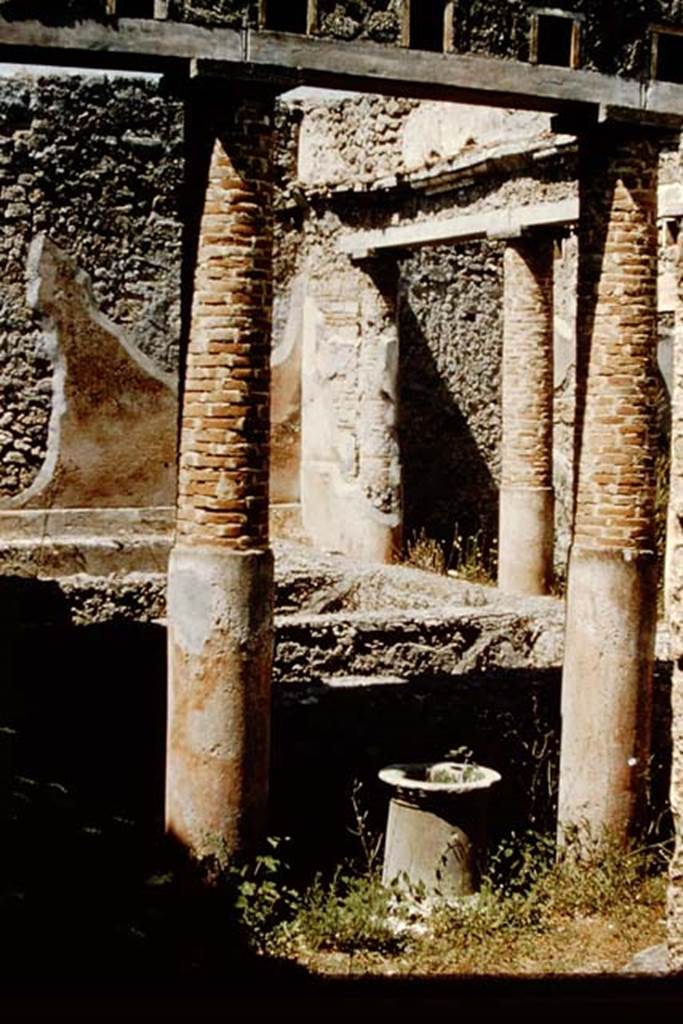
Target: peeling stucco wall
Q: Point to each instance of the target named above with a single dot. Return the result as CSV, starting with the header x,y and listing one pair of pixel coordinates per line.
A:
x,y
97,165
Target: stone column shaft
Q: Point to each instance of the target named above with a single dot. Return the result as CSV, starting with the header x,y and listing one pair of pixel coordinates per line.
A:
x,y
350,457
220,590
525,544
611,599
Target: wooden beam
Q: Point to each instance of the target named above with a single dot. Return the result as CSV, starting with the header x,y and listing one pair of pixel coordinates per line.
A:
x,y
372,67
575,56
365,67
137,43
449,27
405,23
312,16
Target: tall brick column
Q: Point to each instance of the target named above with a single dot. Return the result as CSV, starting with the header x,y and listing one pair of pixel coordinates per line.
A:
x,y
525,536
611,600
220,586
674,586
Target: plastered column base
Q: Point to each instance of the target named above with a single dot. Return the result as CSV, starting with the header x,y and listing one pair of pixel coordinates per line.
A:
x,y
607,691
220,643
675,896
437,844
337,517
525,543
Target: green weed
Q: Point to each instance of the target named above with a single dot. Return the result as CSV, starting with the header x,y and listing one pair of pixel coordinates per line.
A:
x,y
472,557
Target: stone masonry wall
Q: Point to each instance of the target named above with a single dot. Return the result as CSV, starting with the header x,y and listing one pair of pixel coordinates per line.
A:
x,y
450,354
361,138
97,165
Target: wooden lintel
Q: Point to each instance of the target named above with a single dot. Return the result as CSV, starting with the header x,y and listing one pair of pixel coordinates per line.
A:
x,y
363,66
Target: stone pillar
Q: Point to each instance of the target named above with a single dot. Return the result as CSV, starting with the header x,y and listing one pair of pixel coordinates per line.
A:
x,y
525,542
220,586
350,458
379,531
611,599
674,586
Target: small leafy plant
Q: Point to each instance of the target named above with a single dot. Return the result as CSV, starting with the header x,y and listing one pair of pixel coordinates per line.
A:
x,y
457,767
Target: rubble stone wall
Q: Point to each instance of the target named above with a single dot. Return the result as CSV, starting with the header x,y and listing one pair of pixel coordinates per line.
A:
x,y
96,164
451,347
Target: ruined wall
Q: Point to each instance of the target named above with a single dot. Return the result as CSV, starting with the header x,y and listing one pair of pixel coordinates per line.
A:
x,y
350,459
358,139
451,345
355,163
374,139
96,165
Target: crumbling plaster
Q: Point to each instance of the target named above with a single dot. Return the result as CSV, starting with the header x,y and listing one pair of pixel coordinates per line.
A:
x,y
96,164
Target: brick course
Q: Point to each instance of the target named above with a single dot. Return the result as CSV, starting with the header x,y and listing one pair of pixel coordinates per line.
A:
x,y
616,357
527,364
224,444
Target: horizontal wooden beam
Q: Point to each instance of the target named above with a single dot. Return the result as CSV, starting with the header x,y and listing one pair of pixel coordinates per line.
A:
x,y
511,222
137,43
361,66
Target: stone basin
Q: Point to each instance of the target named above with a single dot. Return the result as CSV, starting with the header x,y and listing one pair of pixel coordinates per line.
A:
x,y
436,827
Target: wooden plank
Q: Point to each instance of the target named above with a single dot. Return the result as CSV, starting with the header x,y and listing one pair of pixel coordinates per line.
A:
x,y
372,67
312,16
366,67
153,42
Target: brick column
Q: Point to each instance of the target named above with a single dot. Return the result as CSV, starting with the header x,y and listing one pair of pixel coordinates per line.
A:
x,y
220,588
525,536
674,587
611,599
